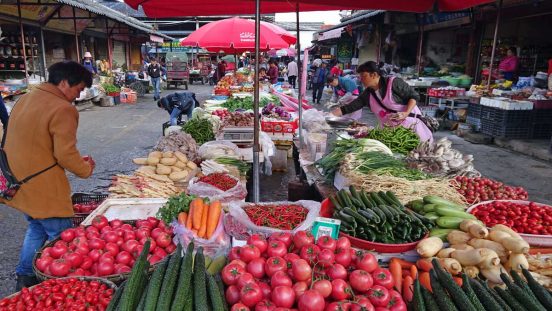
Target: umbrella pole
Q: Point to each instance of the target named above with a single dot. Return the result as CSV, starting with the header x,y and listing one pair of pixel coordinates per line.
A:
x,y
495,38
300,97
256,129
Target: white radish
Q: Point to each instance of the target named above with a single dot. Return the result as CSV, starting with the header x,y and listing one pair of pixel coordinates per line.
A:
x,y
429,247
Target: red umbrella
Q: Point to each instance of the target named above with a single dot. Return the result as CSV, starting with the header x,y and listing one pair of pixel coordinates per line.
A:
x,y
236,35
284,34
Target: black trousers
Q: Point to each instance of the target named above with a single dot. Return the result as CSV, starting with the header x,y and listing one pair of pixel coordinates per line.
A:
x,y
292,80
317,90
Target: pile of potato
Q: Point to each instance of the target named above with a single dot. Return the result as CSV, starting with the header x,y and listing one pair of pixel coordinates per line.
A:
x,y
167,166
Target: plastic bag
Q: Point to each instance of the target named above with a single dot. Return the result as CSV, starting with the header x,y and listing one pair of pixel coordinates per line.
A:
x,y
218,244
240,216
205,190
217,149
314,120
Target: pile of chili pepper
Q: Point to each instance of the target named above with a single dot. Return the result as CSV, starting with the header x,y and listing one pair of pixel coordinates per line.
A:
x,y
220,180
284,217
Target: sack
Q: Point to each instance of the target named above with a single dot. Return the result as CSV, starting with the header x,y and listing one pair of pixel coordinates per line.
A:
x,y
205,190
218,244
431,122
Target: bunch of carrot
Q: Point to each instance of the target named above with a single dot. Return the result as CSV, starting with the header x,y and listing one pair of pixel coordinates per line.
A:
x,y
202,218
405,272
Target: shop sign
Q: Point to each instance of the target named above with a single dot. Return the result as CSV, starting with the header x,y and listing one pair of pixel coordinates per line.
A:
x,y
326,56
436,18
344,50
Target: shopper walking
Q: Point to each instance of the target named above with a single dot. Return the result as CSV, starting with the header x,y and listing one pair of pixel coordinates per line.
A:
x,y
318,82
49,145
154,71
293,72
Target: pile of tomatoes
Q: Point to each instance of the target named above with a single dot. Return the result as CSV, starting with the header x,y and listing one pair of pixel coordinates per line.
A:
x,y
483,189
324,275
61,294
105,248
532,218
85,208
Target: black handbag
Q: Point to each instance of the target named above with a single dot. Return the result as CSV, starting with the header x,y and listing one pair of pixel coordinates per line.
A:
x,y
431,122
9,185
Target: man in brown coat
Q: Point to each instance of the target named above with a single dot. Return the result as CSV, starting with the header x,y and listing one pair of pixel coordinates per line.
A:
x,y
42,131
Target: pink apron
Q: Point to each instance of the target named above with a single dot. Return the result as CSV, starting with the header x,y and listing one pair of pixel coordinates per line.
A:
x,y
383,115
347,99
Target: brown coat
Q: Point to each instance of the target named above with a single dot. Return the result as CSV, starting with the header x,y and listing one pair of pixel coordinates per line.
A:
x,y
42,130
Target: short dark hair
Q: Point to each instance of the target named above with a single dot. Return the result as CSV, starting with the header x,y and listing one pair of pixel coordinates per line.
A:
x,y
513,49
331,78
370,66
71,71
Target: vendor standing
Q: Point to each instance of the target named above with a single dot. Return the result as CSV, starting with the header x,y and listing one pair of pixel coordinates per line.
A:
x,y
508,66
88,63
273,72
391,99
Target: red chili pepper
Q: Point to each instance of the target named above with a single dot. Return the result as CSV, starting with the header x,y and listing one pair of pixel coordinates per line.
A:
x,y
219,180
284,217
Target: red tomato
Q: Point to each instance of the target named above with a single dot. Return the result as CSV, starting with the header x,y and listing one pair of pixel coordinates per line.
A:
x,y
96,243
99,222
130,246
239,307
291,257
338,306
326,257
283,296
341,290
324,287
156,232
245,279
361,281
337,271
302,238
231,273
309,253
239,262
275,264
170,249
159,252
116,223
86,263
265,305
383,277
155,259
265,289
163,240
154,221
111,236
259,241
311,300
43,262
280,278
124,258
362,304
251,294
343,242
326,242
301,270
234,253
256,267
342,256
232,294
276,248
112,248
367,262
141,233
60,267
284,237
58,250
74,258
68,235
249,252
379,296
299,288
105,268
396,303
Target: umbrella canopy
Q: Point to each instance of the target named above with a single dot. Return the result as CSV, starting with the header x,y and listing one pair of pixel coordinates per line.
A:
x,y
236,35
282,52
172,8
284,34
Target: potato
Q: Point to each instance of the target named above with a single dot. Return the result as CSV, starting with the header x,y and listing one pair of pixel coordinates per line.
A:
x,y
175,176
175,169
180,164
168,161
152,160
168,154
181,157
147,169
191,165
140,161
155,154
163,170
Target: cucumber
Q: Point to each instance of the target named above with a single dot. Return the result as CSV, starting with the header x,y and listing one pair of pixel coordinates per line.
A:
x,y
142,303
184,279
429,301
484,296
370,215
452,212
431,216
429,208
417,205
443,300
448,222
520,295
134,288
200,289
335,203
154,287
471,294
169,280
116,298
377,199
418,299
458,296
217,301
367,202
428,199
188,301
354,193
510,300
386,199
540,292
493,294
522,284
220,285
391,195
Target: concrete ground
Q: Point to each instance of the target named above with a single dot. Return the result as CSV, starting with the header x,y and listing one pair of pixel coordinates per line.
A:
x,y
115,135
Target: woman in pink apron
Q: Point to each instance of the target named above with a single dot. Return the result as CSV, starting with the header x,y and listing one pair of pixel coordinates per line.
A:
x,y
390,99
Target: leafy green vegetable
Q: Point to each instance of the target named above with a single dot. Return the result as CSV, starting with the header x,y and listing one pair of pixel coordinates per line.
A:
x,y
175,205
383,164
330,162
200,129
110,88
242,166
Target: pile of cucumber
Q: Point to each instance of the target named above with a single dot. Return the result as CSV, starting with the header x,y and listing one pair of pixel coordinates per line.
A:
x,y
378,217
446,215
476,295
179,283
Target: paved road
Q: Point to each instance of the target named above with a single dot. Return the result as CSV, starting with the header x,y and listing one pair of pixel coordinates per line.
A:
x,y
115,135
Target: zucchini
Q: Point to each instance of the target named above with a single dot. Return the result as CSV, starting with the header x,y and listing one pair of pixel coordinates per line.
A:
x,y
169,280
443,300
134,288
417,205
428,199
441,233
470,293
429,301
380,213
200,289
520,295
428,208
453,212
540,292
418,299
154,287
208,261
458,296
217,301
509,298
116,298
184,279
488,296
347,198
448,222
431,216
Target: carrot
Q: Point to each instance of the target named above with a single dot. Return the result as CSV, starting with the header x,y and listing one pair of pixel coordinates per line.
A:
x,y
424,280
203,228
182,218
424,264
396,273
404,264
190,217
408,289
458,280
405,273
213,219
414,271
197,205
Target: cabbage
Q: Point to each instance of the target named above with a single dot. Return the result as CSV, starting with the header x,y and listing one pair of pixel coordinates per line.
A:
x,y
370,145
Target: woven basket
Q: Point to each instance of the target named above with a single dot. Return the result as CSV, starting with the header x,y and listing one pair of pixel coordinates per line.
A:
x,y
82,278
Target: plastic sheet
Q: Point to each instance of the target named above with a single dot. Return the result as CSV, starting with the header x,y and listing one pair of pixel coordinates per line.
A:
x,y
217,149
205,190
218,244
240,216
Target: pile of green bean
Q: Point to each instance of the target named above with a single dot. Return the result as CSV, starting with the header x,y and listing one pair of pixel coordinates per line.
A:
x,y
200,129
399,139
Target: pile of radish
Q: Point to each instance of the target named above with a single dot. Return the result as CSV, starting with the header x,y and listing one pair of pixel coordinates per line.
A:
x,y
293,271
105,248
484,189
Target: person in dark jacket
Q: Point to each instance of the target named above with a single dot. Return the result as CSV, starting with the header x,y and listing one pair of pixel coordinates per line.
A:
x,y
88,63
178,104
3,113
391,99
221,70
154,71
318,82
